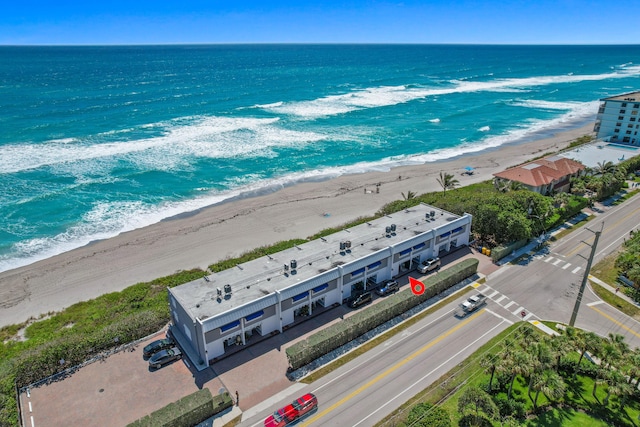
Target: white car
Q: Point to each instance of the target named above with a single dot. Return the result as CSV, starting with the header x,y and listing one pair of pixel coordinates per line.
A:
x,y
429,265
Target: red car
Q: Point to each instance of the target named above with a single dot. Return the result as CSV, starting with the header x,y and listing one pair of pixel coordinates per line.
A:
x,y
290,413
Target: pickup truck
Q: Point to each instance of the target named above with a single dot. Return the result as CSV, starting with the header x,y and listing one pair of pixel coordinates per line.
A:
x,y
471,305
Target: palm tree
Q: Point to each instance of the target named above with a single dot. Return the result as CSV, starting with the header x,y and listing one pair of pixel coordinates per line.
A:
x,y
551,384
489,362
447,181
604,168
591,342
520,364
410,195
615,384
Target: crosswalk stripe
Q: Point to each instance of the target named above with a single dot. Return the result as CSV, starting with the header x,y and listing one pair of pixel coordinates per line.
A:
x,y
548,259
493,295
575,270
517,312
501,298
509,305
566,266
557,262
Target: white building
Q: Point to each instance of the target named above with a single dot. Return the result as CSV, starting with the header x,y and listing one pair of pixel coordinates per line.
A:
x,y
268,294
618,119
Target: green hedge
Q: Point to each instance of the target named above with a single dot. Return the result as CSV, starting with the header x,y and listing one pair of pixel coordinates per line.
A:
x,y
188,411
43,361
502,251
363,321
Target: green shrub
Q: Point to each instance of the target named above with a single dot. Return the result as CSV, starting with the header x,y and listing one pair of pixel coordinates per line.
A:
x,y
501,251
188,411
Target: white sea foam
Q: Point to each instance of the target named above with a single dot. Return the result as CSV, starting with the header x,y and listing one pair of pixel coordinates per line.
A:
x,y
217,137
108,219
484,129
392,95
435,120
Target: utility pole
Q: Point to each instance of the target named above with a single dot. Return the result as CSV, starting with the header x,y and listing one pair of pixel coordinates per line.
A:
x,y
586,275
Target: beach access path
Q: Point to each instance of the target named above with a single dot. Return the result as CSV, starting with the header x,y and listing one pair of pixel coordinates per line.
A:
x,y
204,237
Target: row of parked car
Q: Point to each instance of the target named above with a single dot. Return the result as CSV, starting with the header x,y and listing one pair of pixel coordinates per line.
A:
x,y
392,286
160,352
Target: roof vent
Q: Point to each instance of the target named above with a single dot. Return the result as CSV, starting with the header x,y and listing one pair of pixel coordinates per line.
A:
x,y
227,289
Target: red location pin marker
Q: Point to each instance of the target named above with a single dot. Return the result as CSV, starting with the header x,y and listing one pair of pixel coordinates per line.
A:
x,y
417,287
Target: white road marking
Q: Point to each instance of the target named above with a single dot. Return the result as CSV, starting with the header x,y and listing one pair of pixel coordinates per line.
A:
x,y
548,259
486,289
498,316
500,299
430,373
32,423
527,316
510,304
575,270
493,295
591,304
517,312
557,262
567,265
30,408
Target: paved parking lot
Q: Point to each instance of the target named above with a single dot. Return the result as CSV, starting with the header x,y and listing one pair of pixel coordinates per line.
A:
x,y
121,388
113,392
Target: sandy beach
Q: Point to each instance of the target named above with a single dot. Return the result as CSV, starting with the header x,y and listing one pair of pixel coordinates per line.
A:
x,y
229,229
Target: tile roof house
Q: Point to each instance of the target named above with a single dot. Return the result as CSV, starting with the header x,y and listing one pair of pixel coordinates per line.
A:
x,y
544,176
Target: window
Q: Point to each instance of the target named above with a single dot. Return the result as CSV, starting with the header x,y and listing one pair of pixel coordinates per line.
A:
x,y
628,132
624,104
633,119
634,113
623,111
620,117
629,125
636,105
618,124
616,130
625,139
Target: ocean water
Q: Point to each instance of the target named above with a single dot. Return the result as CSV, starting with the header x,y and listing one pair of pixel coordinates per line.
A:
x,y
95,141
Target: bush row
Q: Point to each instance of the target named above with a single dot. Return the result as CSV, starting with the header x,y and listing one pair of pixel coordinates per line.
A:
x,y
502,251
341,333
188,411
74,349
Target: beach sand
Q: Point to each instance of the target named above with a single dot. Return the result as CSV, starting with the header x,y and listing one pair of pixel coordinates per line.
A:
x,y
229,229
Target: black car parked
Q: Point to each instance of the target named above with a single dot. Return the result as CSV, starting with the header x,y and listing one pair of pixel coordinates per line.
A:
x,y
156,346
388,287
360,300
164,356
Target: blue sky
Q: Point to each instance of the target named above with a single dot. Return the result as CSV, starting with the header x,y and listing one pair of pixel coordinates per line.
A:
x,y
347,21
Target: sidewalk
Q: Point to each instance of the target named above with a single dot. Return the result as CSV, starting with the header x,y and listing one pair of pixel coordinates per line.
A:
x,y
613,290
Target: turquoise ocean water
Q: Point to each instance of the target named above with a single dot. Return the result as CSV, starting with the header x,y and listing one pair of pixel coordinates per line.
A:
x,y
95,141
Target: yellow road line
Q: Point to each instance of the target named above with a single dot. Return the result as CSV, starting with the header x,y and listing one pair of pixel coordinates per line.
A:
x,y
390,370
615,321
581,245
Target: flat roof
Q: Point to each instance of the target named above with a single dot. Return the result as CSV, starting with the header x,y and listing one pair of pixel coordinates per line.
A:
x,y
631,97
258,278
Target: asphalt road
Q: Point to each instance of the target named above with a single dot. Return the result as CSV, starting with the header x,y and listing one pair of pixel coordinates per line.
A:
x,y
544,286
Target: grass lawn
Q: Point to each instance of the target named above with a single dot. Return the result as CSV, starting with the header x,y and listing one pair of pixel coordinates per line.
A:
x,y
565,417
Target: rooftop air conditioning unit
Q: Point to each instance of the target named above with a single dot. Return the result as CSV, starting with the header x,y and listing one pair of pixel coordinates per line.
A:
x,y
347,244
294,264
393,227
342,246
227,289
